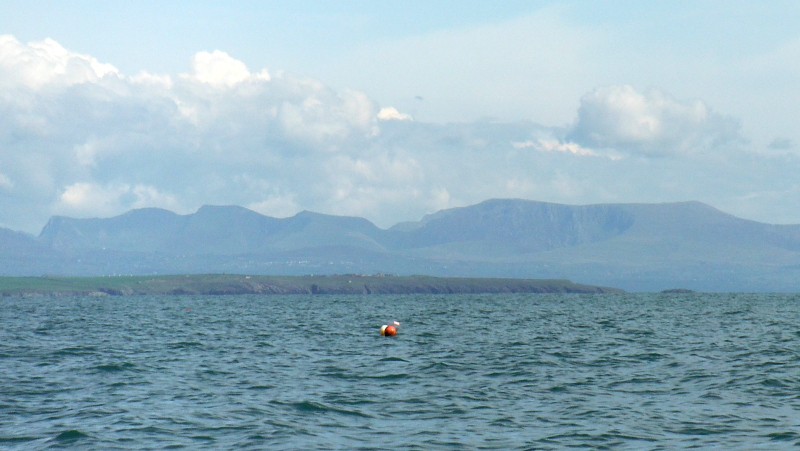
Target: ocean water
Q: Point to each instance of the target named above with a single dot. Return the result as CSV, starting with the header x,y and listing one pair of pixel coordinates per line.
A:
x,y
635,371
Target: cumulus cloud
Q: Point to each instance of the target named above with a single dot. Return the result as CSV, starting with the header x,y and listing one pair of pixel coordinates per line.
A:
x,y
79,138
94,199
648,123
554,145
391,114
39,63
276,206
219,69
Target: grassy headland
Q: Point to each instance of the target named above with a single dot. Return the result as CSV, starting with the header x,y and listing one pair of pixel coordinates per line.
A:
x,y
216,284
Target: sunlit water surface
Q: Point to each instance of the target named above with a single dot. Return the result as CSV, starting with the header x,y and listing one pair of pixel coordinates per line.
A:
x,y
638,371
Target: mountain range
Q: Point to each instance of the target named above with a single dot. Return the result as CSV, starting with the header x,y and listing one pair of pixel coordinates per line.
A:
x,y
637,247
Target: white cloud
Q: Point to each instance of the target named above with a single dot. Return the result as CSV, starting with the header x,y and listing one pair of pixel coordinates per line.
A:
x,y
649,123
276,206
391,114
147,78
554,145
44,62
323,115
84,198
95,146
99,143
219,69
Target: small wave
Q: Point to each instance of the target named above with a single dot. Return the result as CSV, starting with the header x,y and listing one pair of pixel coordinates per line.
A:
x,y
17,439
393,359
710,395
736,312
438,366
210,372
617,436
310,406
517,343
338,373
184,344
388,377
70,435
152,430
76,351
699,430
635,381
205,438
639,332
114,368
773,383
783,436
648,357
261,387
696,377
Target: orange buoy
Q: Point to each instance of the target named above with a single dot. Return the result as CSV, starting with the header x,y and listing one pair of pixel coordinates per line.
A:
x,y
389,330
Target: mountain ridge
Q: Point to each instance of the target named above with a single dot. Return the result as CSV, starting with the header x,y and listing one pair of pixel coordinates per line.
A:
x,y
635,246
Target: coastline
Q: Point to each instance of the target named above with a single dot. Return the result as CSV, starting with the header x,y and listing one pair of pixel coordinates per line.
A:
x,y
231,284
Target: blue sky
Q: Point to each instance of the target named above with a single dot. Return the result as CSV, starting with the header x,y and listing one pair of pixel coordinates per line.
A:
x,y
391,110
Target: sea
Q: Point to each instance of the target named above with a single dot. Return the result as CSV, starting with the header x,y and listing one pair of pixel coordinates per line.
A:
x,y
465,372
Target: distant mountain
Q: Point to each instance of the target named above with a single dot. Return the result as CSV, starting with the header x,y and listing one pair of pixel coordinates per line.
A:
x,y
632,246
514,226
213,230
21,253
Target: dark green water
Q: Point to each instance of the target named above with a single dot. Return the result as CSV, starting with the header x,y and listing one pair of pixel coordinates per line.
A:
x,y
465,372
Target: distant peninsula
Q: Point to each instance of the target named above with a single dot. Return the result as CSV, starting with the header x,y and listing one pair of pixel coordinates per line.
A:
x,y
230,284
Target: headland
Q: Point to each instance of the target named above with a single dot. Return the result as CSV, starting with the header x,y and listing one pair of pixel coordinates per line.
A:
x,y
230,284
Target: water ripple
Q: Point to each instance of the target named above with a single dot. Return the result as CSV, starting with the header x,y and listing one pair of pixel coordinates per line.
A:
x,y
632,371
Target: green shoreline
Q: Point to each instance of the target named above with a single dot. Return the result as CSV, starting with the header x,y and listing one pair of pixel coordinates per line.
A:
x,y
222,284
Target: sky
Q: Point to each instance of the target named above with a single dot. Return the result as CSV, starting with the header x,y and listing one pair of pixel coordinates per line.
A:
x,y
393,110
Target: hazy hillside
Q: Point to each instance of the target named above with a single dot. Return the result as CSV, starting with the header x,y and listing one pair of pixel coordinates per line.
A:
x,y
217,230
20,253
525,226
631,246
